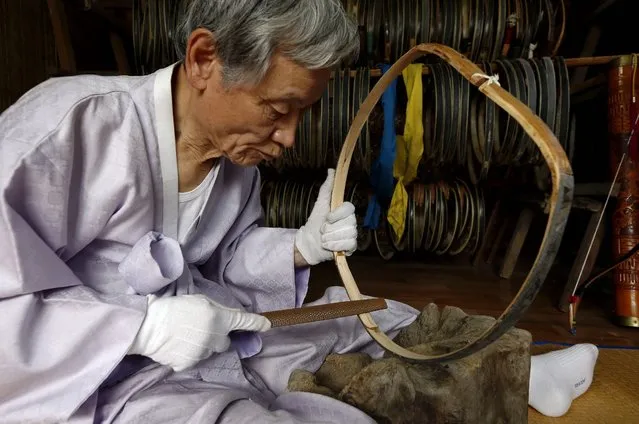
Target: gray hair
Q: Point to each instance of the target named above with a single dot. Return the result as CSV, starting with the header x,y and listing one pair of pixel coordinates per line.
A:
x,y
315,34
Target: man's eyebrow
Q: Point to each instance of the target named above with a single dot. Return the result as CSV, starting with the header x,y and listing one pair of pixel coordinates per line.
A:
x,y
292,96
289,98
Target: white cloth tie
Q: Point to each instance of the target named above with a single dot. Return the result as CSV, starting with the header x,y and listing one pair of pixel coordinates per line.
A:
x,y
490,79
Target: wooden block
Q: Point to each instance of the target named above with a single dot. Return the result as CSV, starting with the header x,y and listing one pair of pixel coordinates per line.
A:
x,y
490,386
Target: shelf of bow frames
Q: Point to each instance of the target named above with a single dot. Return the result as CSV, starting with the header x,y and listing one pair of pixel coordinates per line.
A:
x,y
434,149
434,146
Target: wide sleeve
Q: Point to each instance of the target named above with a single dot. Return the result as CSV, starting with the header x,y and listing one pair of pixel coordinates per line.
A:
x,y
59,339
256,262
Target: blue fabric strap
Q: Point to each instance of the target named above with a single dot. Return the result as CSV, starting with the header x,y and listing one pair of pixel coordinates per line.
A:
x,y
382,169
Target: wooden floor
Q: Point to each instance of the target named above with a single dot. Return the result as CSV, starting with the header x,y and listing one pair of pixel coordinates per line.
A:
x,y
482,292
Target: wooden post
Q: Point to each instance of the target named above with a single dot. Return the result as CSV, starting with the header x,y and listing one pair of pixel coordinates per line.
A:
x,y
516,242
63,44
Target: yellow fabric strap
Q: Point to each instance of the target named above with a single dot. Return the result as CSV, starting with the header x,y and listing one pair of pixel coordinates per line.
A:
x,y
409,148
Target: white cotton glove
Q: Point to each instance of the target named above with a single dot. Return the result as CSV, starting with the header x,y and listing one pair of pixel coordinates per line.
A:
x,y
180,331
326,232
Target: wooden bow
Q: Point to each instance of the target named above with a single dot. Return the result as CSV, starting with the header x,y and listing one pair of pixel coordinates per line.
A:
x,y
560,198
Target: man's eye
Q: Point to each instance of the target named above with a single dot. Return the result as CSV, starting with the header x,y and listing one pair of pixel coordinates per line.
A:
x,y
274,114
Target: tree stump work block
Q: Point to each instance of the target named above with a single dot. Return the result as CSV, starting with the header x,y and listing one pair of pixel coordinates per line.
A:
x,y
490,386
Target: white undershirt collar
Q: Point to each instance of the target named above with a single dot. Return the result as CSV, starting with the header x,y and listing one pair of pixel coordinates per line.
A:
x,y
165,131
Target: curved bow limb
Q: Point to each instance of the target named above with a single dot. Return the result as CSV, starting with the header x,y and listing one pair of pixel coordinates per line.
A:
x,y
560,198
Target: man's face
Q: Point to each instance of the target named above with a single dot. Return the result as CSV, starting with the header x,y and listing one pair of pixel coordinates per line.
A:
x,y
251,124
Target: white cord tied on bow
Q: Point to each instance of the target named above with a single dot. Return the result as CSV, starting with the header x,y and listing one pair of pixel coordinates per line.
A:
x,y
490,79
531,50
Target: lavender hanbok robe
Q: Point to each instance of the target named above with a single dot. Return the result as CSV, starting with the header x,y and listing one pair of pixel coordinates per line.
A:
x,y
88,221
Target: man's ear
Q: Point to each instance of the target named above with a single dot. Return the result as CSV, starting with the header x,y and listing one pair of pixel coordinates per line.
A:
x,y
201,58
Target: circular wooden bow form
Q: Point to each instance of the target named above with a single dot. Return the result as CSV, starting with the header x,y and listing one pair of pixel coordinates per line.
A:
x,y
560,199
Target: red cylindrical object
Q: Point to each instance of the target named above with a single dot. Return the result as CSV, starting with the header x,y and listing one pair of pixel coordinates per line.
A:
x,y
621,113
625,237
622,110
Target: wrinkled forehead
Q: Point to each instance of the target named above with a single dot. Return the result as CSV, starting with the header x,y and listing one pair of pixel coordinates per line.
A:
x,y
290,82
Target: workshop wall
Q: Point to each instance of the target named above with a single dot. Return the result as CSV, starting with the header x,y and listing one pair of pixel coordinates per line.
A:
x,y
27,47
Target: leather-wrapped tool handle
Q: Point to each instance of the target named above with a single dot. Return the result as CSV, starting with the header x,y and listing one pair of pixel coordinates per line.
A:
x,y
325,312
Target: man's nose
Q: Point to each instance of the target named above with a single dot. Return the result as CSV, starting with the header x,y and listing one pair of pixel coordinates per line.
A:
x,y
287,126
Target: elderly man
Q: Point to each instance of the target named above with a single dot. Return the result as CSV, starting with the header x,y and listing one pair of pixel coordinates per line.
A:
x,y
133,261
